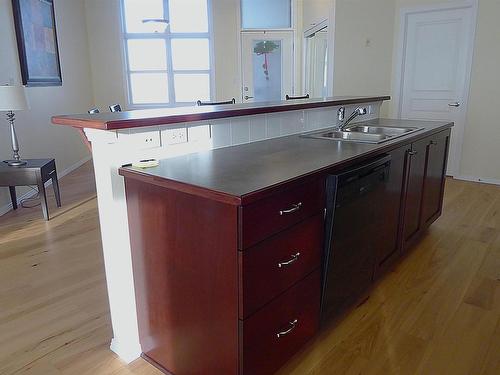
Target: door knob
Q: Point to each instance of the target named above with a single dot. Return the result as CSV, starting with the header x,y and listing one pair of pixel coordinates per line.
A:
x,y
248,97
456,104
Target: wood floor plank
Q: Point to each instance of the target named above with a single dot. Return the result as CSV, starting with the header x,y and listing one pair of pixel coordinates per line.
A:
x,y
437,312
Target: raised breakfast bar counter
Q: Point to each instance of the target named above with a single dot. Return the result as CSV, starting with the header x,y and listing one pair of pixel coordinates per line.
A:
x,y
165,116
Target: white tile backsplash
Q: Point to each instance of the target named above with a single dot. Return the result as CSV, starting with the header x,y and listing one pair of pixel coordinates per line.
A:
x,y
273,125
200,133
258,128
292,122
240,130
220,133
320,118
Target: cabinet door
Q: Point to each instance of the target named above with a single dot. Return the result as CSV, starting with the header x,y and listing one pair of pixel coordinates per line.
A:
x,y
414,188
435,173
388,231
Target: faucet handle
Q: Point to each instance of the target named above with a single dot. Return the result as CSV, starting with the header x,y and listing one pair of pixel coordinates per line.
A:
x,y
341,114
361,110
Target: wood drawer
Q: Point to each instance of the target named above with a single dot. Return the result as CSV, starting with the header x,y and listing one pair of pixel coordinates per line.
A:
x,y
263,275
262,351
279,211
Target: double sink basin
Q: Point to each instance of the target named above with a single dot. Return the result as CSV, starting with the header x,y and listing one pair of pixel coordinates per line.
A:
x,y
364,133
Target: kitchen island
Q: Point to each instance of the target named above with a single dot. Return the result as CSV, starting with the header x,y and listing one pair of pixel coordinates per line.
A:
x,y
204,215
227,245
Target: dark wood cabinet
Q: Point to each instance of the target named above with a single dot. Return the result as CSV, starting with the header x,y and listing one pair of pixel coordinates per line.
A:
x,y
223,288
414,196
271,267
281,238
231,284
270,215
276,332
415,173
435,173
186,279
424,185
388,234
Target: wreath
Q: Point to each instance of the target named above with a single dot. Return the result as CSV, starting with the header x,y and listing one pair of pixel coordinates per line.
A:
x,y
264,48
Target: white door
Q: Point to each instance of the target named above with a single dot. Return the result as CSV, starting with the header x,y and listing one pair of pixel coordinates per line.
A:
x,y
435,70
267,65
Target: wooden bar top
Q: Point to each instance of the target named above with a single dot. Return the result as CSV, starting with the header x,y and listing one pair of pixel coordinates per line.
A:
x,y
237,174
166,116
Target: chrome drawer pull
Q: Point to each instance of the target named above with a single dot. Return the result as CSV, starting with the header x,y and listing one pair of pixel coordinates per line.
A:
x,y
293,324
295,207
288,262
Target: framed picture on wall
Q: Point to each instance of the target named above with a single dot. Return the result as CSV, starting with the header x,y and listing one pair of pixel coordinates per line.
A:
x,y
35,25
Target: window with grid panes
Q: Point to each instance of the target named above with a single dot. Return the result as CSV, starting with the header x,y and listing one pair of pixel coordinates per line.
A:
x,y
167,49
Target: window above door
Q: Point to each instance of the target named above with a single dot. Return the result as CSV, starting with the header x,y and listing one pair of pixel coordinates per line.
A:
x,y
266,15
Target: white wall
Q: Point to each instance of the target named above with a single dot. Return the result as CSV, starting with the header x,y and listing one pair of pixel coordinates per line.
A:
x,y
105,46
314,12
363,45
225,18
37,137
481,149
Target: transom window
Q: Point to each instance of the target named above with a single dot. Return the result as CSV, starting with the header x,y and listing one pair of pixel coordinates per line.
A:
x,y
266,14
168,53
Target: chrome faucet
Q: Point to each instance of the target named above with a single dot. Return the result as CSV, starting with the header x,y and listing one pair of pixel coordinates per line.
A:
x,y
357,112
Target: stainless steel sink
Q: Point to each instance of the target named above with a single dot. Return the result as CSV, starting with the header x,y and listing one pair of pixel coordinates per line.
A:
x,y
364,133
351,136
381,129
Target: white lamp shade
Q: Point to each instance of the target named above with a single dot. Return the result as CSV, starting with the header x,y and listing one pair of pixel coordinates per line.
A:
x,y
12,98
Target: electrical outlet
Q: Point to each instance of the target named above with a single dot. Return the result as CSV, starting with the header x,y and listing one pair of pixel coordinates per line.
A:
x,y
142,140
174,136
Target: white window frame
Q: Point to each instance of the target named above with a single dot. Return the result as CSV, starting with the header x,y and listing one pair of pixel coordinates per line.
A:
x,y
167,36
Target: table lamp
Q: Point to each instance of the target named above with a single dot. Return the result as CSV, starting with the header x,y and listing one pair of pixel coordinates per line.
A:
x,y
13,98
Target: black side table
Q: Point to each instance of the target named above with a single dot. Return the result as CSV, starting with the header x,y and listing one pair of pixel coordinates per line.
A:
x,y
35,172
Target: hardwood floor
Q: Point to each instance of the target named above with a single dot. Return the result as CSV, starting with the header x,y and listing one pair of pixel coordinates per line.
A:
x,y
438,312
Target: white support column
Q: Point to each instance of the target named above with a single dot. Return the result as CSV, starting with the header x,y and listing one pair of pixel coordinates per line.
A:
x,y
107,157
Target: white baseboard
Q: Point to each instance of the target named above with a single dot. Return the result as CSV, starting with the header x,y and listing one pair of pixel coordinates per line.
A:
x,y
491,181
8,207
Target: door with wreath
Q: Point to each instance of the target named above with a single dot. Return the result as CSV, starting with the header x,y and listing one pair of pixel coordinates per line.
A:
x,y
267,66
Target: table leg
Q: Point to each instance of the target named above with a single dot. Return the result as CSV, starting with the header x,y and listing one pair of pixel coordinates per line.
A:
x,y
43,199
13,197
55,185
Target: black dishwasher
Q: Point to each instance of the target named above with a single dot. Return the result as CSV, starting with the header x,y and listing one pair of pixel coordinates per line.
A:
x,y
354,218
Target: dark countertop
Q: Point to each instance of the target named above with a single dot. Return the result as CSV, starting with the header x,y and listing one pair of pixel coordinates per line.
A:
x,y
166,116
231,174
